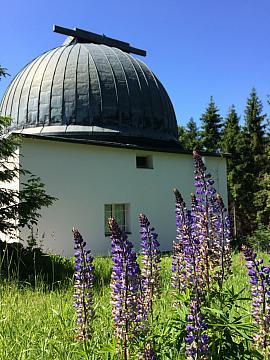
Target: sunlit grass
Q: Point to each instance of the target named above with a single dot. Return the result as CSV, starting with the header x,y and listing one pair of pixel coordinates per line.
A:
x,y
37,323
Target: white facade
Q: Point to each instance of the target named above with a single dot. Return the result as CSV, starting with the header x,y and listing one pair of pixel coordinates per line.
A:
x,y
86,177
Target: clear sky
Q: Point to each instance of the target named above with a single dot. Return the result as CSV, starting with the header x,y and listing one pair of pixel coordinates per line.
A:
x,y
197,48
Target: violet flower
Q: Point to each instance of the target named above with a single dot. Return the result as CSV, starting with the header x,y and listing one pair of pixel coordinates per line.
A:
x,y
124,286
221,234
196,339
213,225
149,353
201,253
83,296
260,291
150,274
188,260
178,257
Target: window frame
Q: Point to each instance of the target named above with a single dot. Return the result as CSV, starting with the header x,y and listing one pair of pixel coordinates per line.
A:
x,y
125,226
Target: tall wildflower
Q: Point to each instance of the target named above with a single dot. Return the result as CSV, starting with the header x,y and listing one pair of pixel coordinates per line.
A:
x,y
201,253
150,275
178,257
188,261
124,286
260,291
150,278
190,275
83,296
202,210
212,224
196,339
221,233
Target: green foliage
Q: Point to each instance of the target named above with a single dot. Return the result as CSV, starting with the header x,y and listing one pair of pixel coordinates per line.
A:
x,y
189,136
3,72
17,208
253,165
211,127
262,196
32,265
255,126
230,329
233,142
259,240
231,134
248,167
37,323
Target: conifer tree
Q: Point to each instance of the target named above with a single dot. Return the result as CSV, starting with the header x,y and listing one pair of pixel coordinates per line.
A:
x,y
232,142
190,136
211,127
254,159
181,134
255,130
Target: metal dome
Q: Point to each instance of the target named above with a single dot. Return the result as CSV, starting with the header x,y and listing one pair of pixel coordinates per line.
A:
x,y
92,91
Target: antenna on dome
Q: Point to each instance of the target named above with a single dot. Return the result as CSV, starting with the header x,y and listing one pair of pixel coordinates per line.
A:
x,y
90,37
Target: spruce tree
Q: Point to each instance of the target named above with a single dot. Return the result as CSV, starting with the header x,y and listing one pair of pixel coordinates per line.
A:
x,y
254,160
255,130
211,127
181,134
190,137
232,142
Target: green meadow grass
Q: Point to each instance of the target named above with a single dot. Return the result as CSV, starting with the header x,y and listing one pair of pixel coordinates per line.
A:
x,y
38,323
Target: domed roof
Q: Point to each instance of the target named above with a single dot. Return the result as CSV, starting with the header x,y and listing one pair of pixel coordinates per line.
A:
x,y
89,90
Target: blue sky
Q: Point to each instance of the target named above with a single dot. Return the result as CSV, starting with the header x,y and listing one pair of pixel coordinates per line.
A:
x,y
196,48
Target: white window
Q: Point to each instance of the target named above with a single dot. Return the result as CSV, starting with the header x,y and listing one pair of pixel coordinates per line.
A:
x,y
121,214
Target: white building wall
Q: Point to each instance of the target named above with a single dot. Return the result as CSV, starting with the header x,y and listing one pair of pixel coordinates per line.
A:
x,y
85,177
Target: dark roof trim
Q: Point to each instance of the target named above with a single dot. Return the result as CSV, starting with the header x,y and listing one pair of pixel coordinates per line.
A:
x,y
172,149
90,37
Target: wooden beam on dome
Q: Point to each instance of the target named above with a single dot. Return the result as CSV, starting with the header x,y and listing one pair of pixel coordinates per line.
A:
x,y
88,36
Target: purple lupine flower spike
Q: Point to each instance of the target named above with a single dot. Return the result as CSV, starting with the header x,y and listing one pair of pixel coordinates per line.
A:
x,y
202,212
260,291
178,256
201,253
124,286
213,222
83,296
149,353
196,339
188,261
221,235
150,279
150,274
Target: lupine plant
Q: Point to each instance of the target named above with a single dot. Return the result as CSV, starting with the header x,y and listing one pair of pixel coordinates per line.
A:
x,y
201,262
179,271
150,274
260,292
83,295
150,278
201,253
124,286
196,339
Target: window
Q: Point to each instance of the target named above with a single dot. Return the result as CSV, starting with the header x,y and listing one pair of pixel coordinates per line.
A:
x,y
121,214
144,162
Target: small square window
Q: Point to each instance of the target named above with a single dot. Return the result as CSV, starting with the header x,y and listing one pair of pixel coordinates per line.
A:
x,y
121,214
144,162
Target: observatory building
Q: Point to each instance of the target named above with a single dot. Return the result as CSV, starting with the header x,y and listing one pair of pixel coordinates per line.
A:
x,y
100,130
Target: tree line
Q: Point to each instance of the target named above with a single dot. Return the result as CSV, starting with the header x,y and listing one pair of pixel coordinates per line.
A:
x,y
248,162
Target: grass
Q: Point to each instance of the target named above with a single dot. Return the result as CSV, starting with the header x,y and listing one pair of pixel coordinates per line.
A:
x,y
38,323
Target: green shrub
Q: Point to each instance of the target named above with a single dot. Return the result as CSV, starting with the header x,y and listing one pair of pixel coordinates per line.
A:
x,y
26,264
